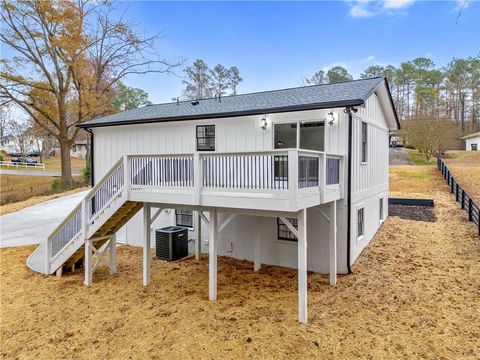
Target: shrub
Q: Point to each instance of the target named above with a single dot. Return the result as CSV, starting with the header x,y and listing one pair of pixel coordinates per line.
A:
x,y
86,173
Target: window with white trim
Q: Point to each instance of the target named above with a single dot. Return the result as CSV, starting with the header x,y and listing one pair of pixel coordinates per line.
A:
x,y
184,218
364,141
283,232
360,222
205,137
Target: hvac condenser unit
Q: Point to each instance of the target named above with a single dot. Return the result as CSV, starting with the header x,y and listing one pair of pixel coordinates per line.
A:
x,y
171,243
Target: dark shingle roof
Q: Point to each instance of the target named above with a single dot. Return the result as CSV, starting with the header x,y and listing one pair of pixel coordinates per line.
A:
x,y
349,93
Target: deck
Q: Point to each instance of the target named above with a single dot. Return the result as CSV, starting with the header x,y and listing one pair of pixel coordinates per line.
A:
x,y
279,180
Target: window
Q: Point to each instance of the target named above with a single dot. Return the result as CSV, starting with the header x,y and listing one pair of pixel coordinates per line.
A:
x,y
360,222
285,136
284,232
474,147
206,137
184,218
280,164
364,141
380,209
74,148
312,135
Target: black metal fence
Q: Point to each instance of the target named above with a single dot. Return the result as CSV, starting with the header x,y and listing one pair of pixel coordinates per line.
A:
x,y
466,201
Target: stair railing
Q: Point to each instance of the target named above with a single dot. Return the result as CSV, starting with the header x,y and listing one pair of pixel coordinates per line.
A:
x,y
97,200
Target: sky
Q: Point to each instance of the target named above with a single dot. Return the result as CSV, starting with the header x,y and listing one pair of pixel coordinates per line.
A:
x,y
276,44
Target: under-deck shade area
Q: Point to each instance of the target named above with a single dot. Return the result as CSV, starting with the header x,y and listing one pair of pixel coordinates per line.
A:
x,y
210,217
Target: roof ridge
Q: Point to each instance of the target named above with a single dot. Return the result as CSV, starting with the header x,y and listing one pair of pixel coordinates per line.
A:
x,y
266,91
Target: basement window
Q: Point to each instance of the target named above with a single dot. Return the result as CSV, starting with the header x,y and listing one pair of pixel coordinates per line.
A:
x,y
380,209
184,218
283,232
360,222
205,137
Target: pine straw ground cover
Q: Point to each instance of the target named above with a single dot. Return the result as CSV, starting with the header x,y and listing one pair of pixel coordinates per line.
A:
x,y
414,293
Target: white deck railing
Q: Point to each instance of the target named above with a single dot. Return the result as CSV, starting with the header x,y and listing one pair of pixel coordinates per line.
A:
x,y
284,173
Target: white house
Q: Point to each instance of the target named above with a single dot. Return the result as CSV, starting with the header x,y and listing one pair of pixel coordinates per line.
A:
x,y
295,177
472,141
79,149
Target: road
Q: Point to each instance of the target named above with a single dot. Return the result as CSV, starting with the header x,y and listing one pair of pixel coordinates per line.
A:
x,y
32,173
400,156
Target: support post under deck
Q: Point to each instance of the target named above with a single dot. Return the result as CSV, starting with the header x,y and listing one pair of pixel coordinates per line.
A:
x,y
302,266
333,242
212,256
198,235
146,244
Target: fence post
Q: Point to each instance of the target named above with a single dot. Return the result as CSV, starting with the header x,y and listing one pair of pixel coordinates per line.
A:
x,y
452,184
470,213
463,199
456,193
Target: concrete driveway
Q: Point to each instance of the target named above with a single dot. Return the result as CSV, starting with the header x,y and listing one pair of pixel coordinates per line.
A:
x,y
34,224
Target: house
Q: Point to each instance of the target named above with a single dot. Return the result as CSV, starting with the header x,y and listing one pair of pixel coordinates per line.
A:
x,y
22,144
472,141
295,177
79,149
9,144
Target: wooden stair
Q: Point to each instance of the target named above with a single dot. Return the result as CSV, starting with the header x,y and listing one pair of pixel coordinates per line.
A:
x,y
111,226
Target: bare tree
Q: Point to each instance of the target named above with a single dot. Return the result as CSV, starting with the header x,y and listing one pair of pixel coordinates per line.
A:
x,y
430,137
198,81
64,67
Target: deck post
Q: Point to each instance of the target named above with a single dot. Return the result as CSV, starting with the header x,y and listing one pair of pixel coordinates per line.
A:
x,y
146,244
302,266
113,254
257,247
88,245
212,256
198,235
197,177
126,177
333,242
293,178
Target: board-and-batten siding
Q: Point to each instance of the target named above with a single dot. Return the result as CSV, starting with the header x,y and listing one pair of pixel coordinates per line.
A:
x,y
374,173
370,179
231,134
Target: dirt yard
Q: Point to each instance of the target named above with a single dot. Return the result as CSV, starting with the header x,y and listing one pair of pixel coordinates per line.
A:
x,y
465,167
414,293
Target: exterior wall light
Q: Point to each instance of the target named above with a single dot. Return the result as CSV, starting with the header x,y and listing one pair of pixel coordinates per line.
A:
x,y
263,122
331,118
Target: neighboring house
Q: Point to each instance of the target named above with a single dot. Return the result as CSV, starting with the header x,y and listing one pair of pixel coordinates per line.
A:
x,y
79,149
12,145
8,144
472,141
295,177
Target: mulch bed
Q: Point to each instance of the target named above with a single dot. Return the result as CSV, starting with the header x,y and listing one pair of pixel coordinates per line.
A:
x,y
412,212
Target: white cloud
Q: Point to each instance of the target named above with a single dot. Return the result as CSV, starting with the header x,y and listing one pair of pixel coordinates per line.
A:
x,y
359,11
397,4
369,8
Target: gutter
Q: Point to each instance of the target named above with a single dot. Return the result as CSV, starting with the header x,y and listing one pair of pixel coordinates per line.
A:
x,y
92,154
348,110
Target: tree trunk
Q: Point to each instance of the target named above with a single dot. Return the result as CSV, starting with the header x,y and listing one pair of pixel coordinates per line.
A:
x,y
66,179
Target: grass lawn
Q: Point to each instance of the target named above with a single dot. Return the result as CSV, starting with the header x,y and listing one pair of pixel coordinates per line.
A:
x,y
53,164
419,159
413,294
15,188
